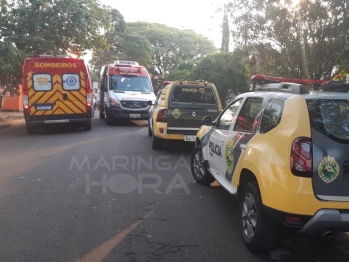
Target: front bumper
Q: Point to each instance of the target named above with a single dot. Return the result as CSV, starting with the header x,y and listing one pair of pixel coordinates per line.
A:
x,y
120,113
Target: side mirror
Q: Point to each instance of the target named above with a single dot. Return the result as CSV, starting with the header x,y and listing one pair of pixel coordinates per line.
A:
x,y
207,121
103,87
150,103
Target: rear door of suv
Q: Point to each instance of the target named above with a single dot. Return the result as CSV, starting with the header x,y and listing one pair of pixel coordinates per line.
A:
x,y
329,120
187,106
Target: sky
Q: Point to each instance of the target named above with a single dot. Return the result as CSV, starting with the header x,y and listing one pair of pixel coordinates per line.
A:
x,y
198,15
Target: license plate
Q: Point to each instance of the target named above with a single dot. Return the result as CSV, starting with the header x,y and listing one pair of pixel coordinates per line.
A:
x,y
43,107
135,116
189,138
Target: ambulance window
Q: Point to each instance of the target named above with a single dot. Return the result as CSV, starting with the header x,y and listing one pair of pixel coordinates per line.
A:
x,y
42,82
71,82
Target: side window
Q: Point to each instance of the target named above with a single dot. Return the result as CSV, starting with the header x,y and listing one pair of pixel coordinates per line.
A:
x,y
71,82
248,114
228,116
42,82
271,115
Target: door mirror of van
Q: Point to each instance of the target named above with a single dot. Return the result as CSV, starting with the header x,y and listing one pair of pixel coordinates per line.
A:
x,y
207,121
103,87
150,103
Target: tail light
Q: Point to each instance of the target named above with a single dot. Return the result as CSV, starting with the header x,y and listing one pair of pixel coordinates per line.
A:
x,y
301,157
89,99
162,115
25,101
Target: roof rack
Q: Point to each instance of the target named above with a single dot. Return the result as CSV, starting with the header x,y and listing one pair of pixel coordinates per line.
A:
x,y
284,87
335,86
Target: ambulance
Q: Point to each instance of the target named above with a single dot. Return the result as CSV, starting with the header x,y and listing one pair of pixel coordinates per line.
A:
x,y
56,89
125,89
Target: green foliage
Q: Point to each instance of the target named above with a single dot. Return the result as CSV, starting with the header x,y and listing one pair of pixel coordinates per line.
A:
x,y
225,70
48,26
172,45
303,41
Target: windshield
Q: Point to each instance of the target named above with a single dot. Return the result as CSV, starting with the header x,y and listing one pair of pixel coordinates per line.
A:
x,y
330,117
130,83
197,95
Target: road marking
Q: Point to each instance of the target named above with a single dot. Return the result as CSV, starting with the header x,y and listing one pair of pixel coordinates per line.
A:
x,y
101,252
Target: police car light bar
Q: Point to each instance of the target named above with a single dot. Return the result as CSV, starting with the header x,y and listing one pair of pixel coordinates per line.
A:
x,y
124,62
284,87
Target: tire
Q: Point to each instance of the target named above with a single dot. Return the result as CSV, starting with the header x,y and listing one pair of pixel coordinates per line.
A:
x,y
156,142
30,129
87,125
101,115
150,133
108,118
200,173
257,233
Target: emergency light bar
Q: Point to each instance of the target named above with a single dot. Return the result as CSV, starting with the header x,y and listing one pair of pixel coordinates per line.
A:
x,y
335,86
284,87
63,56
123,62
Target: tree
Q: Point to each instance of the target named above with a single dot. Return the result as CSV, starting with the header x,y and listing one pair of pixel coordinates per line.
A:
x,y
182,71
46,26
172,45
303,41
225,32
225,70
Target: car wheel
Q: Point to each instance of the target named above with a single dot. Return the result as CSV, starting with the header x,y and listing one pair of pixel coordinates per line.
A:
x,y
200,173
101,114
156,142
150,133
88,125
257,233
30,129
108,117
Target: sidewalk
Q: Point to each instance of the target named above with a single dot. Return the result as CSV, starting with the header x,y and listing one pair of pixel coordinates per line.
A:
x,y
8,119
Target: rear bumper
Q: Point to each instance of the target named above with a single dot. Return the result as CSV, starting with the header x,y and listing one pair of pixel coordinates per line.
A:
x,y
328,219
55,119
120,113
324,219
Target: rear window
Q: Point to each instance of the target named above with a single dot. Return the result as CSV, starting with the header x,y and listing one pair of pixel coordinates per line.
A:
x,y
330,117
195,95
42,82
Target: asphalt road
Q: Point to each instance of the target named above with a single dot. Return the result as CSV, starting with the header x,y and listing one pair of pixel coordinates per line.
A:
x,y
105,195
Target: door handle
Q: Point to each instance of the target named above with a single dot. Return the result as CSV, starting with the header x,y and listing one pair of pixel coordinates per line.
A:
x,y
243,147
65,96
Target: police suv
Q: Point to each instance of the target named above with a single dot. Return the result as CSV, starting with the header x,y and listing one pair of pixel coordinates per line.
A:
x,y
284,152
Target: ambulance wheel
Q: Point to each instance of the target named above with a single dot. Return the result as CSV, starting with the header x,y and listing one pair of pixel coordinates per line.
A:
x,y
88,125
150,133
156,143
101,115
198,169
108,118
256,231
30,129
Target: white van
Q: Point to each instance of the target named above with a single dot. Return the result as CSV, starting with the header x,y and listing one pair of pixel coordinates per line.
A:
x,y
125,89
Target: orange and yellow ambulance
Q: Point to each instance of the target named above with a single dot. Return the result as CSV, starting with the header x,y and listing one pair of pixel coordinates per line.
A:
x,y
56,89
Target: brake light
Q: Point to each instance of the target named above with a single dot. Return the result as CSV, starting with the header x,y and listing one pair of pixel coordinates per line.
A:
x,y
162,115
301,157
